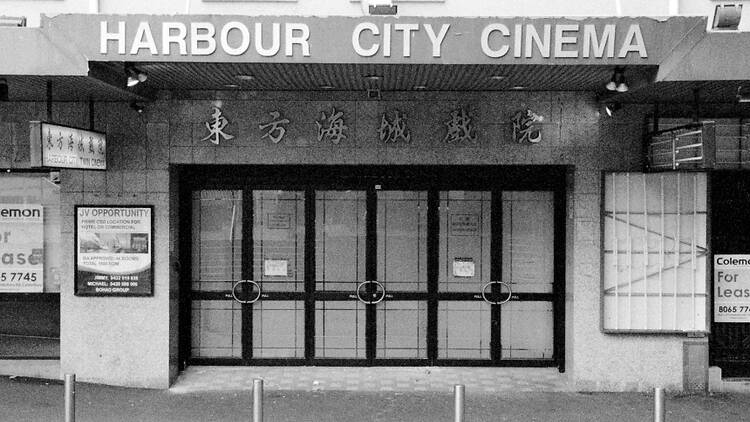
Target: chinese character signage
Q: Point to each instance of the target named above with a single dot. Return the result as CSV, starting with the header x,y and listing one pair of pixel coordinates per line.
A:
x,y
216,126
114,251
732,288
56,146
526,128
21,248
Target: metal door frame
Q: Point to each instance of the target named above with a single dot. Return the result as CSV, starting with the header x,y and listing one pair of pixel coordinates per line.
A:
x,y
431,179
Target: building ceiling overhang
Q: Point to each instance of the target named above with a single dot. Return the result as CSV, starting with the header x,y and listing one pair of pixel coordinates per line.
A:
x,y
70,59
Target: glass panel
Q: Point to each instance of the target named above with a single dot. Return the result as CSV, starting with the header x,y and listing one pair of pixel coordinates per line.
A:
x,y
402,329
279,329
339,239
340,329
526,330
464,330
31,328
32,189
217,239
402,240
216,328
528,241
465,235
279,240
655,253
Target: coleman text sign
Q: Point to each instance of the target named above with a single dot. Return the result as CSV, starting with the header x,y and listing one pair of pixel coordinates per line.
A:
x,y
732,288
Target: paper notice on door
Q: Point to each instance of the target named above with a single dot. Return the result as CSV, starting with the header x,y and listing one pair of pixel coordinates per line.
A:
x,y
275,268
463,267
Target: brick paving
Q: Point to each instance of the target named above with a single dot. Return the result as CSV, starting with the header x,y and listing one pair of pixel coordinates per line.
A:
x,y
375,379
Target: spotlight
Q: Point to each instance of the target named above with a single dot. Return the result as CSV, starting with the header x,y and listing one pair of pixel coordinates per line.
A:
x,y
135,76
136,107
612,108
4,90
617,82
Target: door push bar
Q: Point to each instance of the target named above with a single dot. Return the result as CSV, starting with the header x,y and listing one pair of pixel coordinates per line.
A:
x,y
234,291
374,299
501,283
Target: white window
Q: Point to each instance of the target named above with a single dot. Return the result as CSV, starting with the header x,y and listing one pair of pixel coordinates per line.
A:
x,y
654,252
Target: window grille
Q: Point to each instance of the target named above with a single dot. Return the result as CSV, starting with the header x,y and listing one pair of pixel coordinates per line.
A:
x,y
654,252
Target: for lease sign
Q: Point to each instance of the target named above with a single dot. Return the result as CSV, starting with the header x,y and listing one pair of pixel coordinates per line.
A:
x,y
732,288
21,248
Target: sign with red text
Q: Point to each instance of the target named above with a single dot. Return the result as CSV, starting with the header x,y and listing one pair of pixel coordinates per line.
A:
x,y
56,146
21,248
114,251
732,288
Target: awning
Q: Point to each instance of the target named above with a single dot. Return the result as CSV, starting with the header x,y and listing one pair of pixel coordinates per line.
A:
x,y
85,55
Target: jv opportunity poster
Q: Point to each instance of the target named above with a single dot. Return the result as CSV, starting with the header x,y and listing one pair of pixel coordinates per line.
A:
x,y
21,248
114,251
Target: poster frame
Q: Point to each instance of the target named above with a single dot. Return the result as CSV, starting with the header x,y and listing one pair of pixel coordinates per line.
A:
x,y
76,290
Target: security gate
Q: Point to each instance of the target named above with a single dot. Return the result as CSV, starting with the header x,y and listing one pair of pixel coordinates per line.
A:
x,y
374,265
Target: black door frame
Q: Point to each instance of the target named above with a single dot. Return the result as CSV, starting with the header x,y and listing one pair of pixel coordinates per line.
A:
x,y
345,177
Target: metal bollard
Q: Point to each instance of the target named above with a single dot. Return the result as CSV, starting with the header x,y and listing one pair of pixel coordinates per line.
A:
x,y
257,400
70,397
459,393
660,411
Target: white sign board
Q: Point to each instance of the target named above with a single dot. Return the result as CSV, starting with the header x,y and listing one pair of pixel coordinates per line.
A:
x,y
56,146
732,288
21,248
463,267
275,268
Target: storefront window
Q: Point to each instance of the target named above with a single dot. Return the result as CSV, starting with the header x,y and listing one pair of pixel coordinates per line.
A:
x,y
654,252
30,248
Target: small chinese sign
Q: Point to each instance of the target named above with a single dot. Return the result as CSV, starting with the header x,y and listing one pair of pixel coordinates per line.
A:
x,y
216,127
114,251
459,128
525,128
56,146
21,248
732,288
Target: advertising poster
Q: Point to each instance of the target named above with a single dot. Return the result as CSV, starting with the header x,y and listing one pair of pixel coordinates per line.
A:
x,y
732,288
21,248
114,251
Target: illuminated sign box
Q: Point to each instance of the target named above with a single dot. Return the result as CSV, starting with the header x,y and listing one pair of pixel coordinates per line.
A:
x,y
57,146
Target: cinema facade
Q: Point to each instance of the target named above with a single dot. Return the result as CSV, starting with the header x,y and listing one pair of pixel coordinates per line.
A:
x,y
233,190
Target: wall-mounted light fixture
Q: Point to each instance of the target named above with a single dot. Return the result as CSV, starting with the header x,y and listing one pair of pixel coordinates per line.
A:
x,y
617,81
12,21
727,17
135,76
4,90
380,7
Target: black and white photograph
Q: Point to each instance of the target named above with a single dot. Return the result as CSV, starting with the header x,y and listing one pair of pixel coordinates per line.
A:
x,y
374,210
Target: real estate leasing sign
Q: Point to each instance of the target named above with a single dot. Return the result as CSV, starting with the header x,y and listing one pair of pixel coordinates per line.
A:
x,y
21,248
732,288
114,251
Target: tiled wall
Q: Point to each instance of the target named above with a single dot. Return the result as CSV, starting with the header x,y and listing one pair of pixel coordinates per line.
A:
x,y
132,341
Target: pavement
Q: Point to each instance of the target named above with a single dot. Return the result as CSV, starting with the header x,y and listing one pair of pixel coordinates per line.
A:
x,y
30,399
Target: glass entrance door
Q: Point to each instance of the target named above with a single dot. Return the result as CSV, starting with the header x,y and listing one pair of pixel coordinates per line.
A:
x,y
429,276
